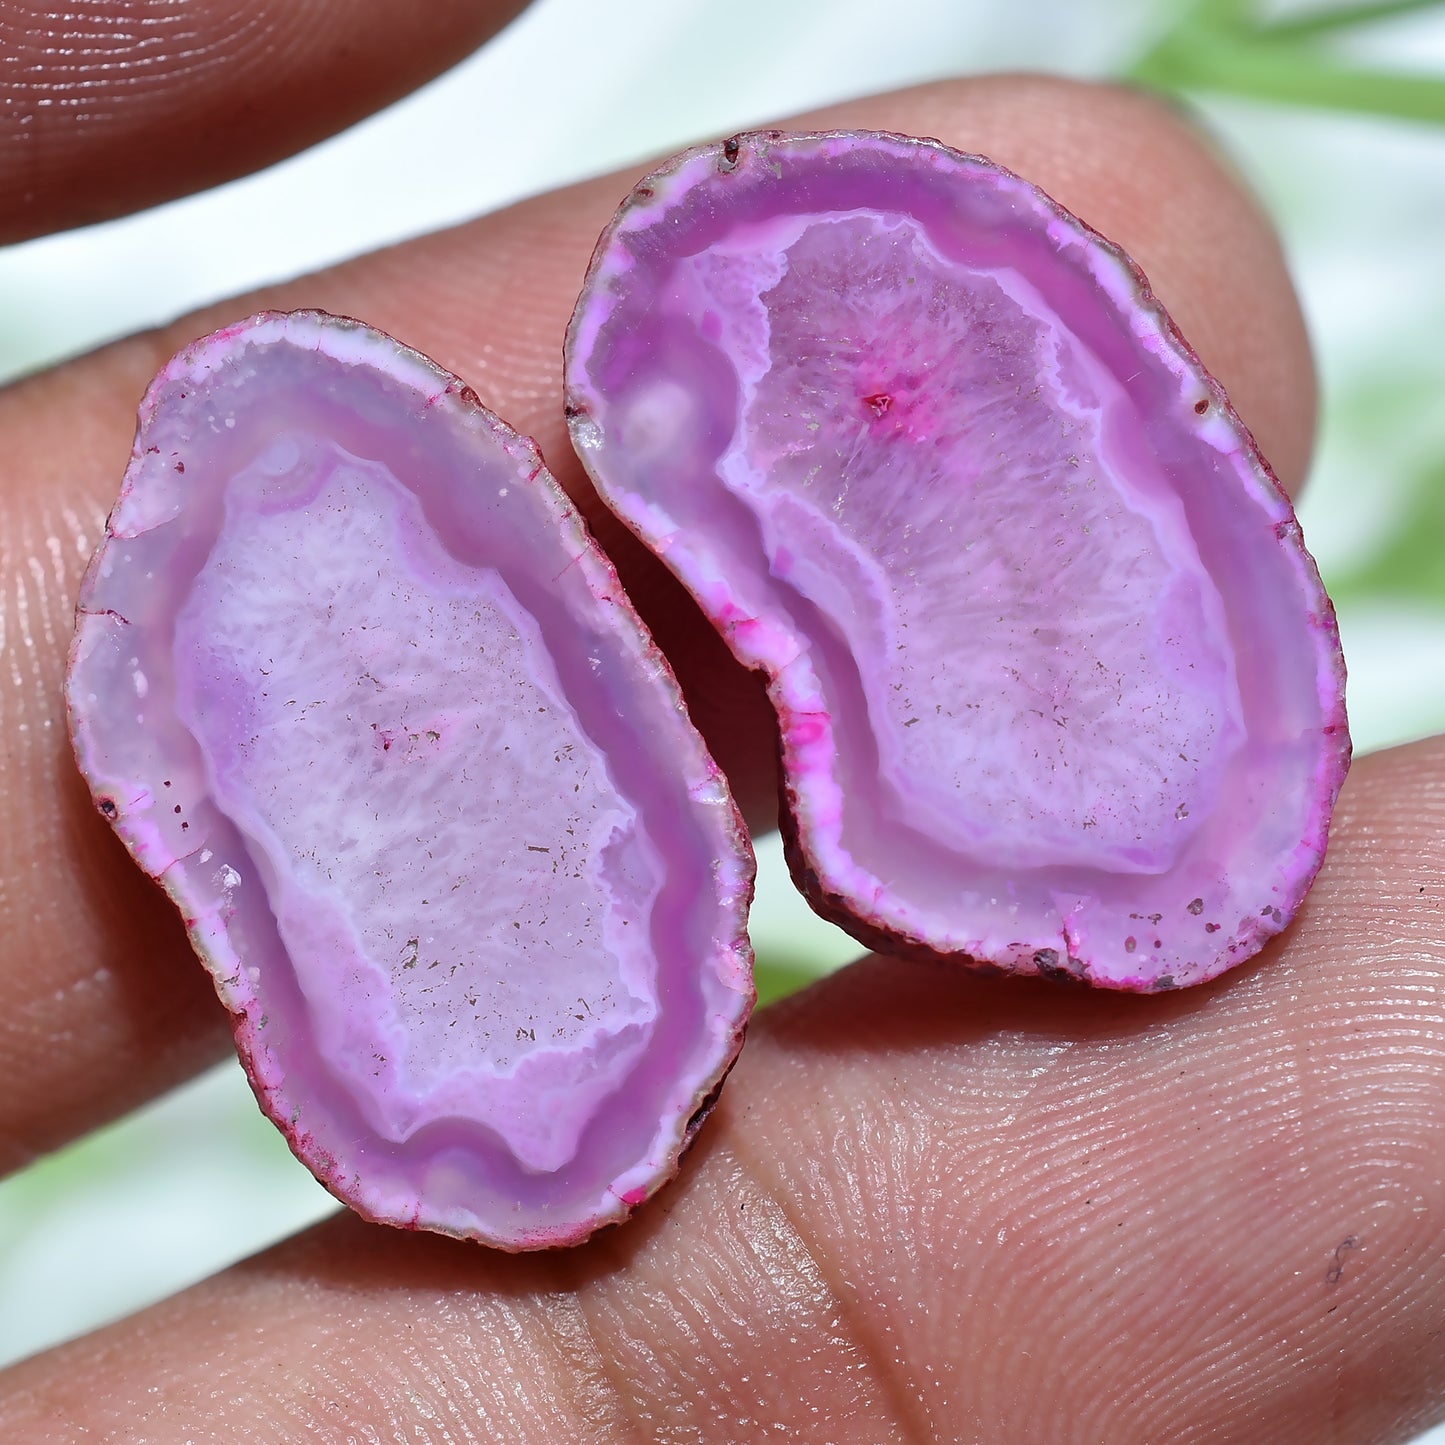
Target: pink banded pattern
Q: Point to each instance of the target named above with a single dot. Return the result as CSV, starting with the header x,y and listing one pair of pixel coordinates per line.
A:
x,y
352,682
1059,688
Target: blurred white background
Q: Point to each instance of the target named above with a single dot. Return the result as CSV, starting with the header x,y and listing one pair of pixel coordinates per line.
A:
x,y
575,87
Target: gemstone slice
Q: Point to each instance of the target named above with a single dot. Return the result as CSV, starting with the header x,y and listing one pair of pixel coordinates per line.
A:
x,y
1059,689
353,684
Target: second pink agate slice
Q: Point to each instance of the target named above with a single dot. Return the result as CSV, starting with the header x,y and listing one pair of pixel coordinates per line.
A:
x,y
1058,686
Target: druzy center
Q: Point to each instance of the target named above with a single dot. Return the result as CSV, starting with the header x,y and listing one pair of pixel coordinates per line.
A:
x,y
383,790
930,460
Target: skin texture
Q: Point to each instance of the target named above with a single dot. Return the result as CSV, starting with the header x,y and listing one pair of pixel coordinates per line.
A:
x,y
930,1207
91,91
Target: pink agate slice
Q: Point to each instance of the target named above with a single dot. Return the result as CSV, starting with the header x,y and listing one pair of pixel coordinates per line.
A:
x,y
1058,685
354,685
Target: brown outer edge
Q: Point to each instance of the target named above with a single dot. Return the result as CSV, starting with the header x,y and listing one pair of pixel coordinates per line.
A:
x,y
1334,762
606,586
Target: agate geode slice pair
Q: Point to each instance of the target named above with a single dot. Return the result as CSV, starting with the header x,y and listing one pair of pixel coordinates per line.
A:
x,y
1058,688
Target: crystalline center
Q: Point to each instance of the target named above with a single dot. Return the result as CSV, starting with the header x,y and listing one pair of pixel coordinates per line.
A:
x,y
382,788
899,478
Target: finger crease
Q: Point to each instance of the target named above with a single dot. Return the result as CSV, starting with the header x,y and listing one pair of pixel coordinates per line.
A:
x,y
910,1420
613,1405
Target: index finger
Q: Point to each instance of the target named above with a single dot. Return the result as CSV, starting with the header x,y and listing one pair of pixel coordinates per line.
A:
x,y
107,106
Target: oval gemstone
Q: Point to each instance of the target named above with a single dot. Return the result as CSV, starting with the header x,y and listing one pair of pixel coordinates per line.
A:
x,y
354,685
1058,686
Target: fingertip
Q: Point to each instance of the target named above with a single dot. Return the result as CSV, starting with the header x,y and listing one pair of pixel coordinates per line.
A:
x,y
112,105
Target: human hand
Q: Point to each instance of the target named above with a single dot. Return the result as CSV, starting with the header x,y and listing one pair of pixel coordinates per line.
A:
x,y
929,1206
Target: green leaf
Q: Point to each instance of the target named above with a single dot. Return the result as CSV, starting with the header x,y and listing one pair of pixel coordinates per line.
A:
x,y
1329,19
1220,46
778,975
1410,564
